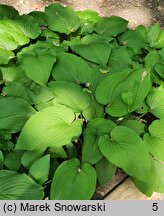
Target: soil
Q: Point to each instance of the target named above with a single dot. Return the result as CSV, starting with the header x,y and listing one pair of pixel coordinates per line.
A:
x,y
136,12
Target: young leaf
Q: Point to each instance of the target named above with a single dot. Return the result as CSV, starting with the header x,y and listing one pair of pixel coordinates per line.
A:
x,y
90,150
62,19
53,126
155,139
73,181
70,95
14,112
156,36
111,26
16,186
105,171
39,171
155,101
71,68
125,143
37,61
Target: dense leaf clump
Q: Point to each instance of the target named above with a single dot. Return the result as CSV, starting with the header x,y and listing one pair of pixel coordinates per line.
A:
x,y
81,95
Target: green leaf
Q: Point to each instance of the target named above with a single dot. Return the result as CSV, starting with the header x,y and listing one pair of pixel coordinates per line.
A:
x,y
156,36
106,90
135,125
103,126
14,112
29,157
28,26
39,17
5,143
62,19
155,139
73,181
53,126
57,152
88,15
90,150
70,95
111,26
155,183
5,56
1,160
39,170
37,61
152,59
14,73
13,160
155,101
7,11
93,48
105,171
69,67
95,110
125,143
160,69
119,59
124,92
15,186
133,39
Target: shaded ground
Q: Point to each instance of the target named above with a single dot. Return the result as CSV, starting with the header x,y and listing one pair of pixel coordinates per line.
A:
x,y
136,11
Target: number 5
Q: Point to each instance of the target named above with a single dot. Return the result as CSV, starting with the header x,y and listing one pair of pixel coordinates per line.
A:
x,y
155,207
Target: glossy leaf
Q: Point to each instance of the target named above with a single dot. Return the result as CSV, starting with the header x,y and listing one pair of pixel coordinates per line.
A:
x,y
73,181
62,19
53,126
39,170
16,186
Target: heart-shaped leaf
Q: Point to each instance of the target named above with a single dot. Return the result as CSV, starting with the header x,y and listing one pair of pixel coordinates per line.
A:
x,y
62,19
37,61
53,126
155,139
15,186
73,181
125,143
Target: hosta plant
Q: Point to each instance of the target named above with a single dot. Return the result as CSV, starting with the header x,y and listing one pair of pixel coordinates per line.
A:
x,y
81,95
